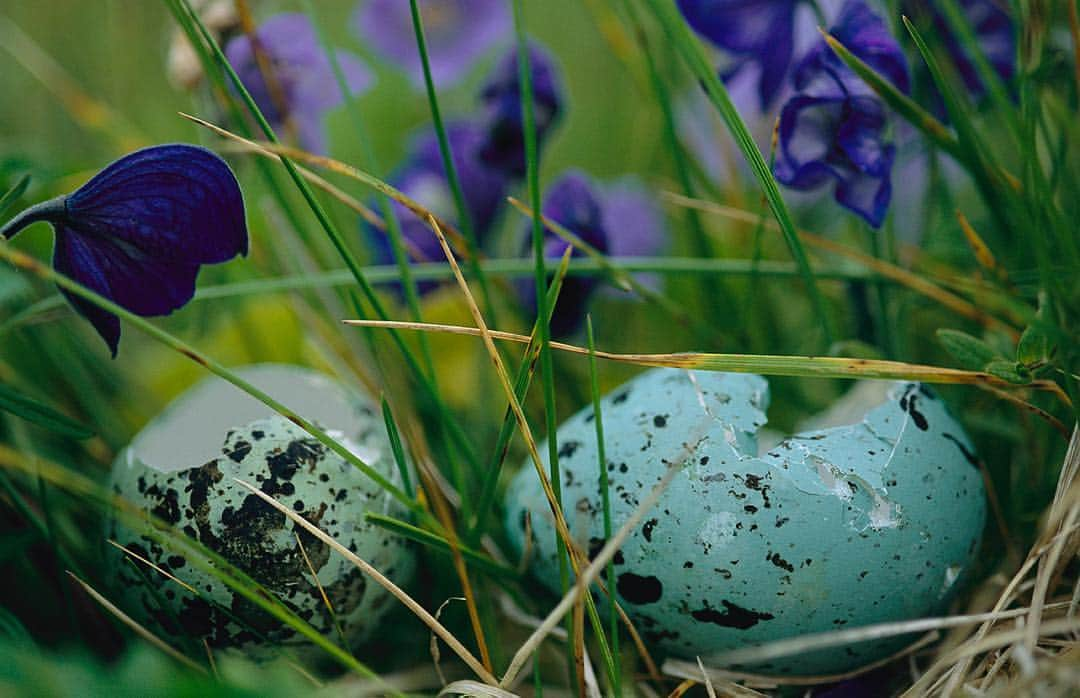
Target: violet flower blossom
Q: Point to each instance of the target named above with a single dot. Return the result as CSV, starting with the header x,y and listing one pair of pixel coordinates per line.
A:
x,y
138,231
504,148
833,128
423,179
458,33
619,220
300,68
758,32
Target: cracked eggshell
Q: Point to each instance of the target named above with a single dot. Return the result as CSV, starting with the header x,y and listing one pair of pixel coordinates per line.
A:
x,y
833,528
181,468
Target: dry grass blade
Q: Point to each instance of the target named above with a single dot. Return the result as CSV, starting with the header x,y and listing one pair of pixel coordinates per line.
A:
x,y
1039,412
446,518
381,580
350,201
338,167
151,565
472,688
808,366
983,255
1062,518
680,669
899,274
866,633
322,592
139,629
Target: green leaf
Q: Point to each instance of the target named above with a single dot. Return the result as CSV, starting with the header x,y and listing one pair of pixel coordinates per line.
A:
x,y
1009,371
971,352
1034,346
38,413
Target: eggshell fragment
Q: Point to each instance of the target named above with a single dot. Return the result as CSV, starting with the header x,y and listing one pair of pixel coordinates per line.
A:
x,y
182,467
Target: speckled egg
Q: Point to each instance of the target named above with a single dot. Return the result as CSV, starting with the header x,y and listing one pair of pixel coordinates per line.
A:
x,y
833,528
181,468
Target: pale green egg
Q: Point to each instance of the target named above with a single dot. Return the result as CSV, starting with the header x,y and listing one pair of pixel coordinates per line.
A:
x,y
182,466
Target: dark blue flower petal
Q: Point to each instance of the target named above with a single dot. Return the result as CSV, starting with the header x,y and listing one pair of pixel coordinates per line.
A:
x,y
504,147
834,127
868,194
139,230
178,202
143,284
758,31
866,35
859,136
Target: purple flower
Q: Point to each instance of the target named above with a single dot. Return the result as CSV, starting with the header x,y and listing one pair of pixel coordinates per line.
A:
x,y
138,232
504,148
833,128
760,32
423,179
300,69
618,220
458,32
994,32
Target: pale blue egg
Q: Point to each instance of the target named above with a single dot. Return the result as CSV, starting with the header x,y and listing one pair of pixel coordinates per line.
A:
x,y
833,528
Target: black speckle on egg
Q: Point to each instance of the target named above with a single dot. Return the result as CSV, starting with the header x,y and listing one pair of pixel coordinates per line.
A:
x,y
639,590
238,451
568,449
660,421
732,616
780,562
647,529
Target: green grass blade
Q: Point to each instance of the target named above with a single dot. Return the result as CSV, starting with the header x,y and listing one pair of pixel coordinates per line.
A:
x,y
524,376
605,499
905,106
477,559
467,224
41,414
396,448
547,370
694,55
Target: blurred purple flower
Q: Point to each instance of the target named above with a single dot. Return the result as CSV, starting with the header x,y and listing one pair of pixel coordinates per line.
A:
x,y
300,68
423,179
619,220
760,32
138,231
995,34
504,148
458,33
833,128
